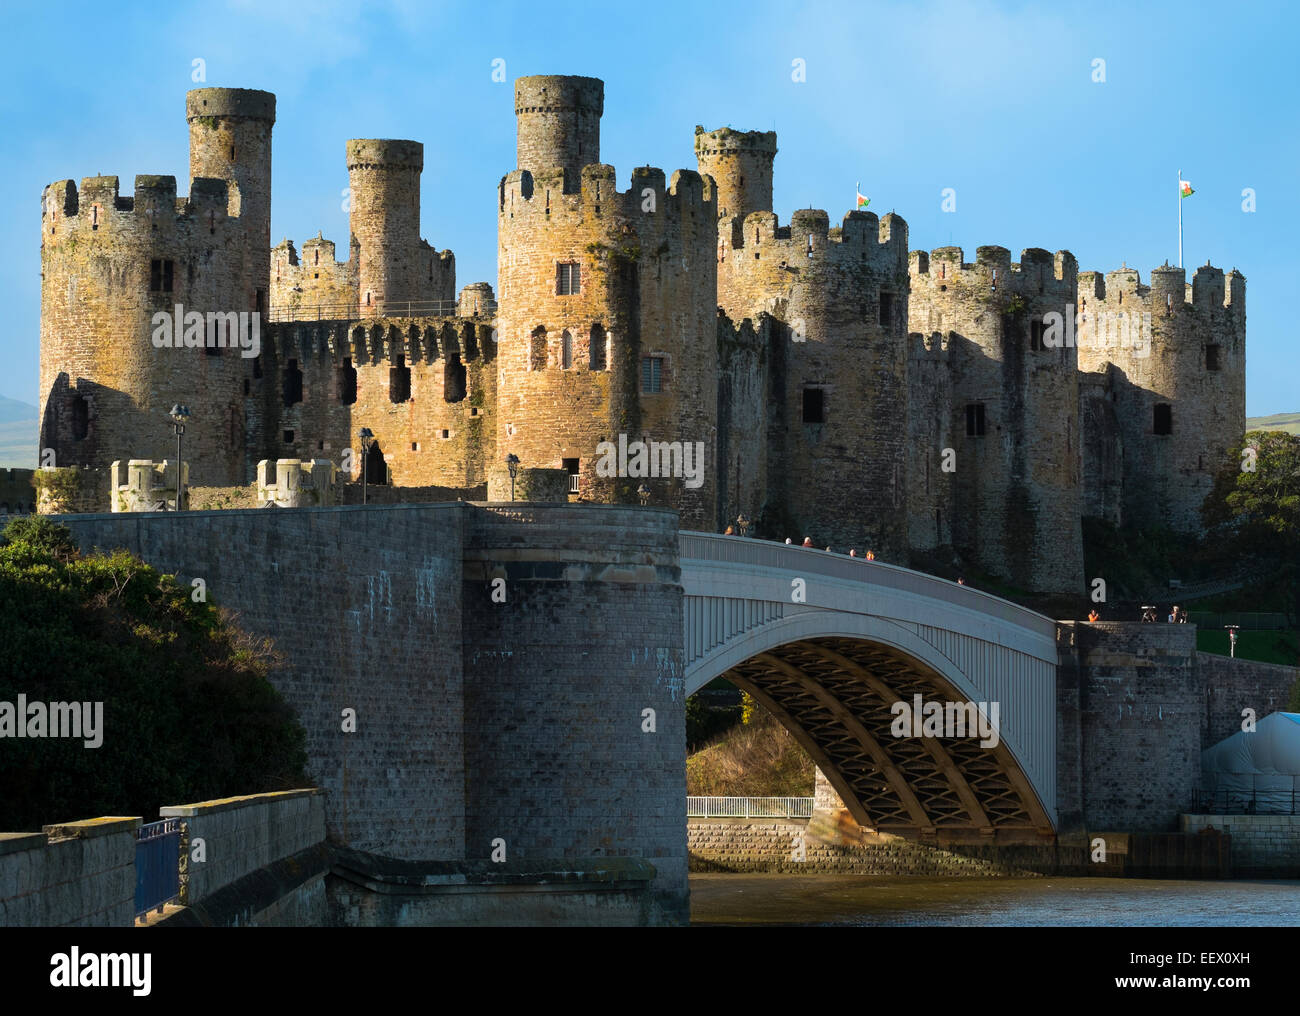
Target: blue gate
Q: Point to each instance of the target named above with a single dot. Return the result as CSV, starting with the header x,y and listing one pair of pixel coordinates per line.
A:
x,y
157,865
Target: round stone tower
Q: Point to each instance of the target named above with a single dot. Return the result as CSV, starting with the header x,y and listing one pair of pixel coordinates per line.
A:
x,y
558,121
1175,361
836,307
606,317
384,177
741,166
230,139
1013,474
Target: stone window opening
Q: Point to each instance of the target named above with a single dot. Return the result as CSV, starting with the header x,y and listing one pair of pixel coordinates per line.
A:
x,y
161,275
566,350
94,216
886,309
1162,419
537,349
814,405
80,418
399,381
317,257
572,467
346,382
652,370
975,419
1036,330
367,298
568,278
596,350
292,387
212,228
288,437
453,380
1212,357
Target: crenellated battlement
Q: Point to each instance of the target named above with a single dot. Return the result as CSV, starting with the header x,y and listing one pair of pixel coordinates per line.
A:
x,y
1038,273
861,239
931,348
380,341
1210,292
100,207
523,194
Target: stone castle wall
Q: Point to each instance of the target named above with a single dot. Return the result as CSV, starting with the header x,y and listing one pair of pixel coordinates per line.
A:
x,y
425,387
1013,415
1171,344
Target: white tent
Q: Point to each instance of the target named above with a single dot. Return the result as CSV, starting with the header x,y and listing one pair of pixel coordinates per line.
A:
x,y
1256,771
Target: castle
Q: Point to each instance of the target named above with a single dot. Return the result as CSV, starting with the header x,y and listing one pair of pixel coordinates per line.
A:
x,y
838,384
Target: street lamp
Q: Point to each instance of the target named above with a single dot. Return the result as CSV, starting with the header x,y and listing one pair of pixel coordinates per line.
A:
x,y
1232,639
179,415
367,439
512,464
643,492
743,522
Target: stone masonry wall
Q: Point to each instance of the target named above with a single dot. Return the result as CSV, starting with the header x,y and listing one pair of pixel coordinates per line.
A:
x,y
1232,685
365,606
1139,719
1263,846
780,845
561,765
1015,487
242,834
1179,345
425,387
77,874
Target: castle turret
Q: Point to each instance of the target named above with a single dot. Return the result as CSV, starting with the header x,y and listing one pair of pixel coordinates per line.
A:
x,y
741,166
558,120
606,313
230,139
1174,359
396,268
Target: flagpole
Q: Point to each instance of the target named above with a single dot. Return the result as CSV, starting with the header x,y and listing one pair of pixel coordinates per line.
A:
x,y
1180,218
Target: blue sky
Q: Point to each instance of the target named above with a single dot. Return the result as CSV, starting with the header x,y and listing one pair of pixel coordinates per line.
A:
x,y
994,100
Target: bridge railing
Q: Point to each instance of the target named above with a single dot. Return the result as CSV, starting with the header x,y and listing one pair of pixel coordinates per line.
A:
x,y
749,807
157,865
810,561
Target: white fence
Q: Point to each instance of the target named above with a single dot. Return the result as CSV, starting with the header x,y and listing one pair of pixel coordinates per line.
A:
x,y
749,807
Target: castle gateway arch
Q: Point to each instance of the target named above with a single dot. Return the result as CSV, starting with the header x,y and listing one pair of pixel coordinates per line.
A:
x,y
829,644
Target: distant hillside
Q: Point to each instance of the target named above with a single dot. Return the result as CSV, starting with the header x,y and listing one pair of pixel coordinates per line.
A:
x,y
19,432
1288,422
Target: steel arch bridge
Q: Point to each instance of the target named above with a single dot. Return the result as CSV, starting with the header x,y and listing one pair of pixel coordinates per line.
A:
x,y
829,643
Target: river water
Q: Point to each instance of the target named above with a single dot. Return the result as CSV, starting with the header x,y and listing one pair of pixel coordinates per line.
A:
x,y
735,899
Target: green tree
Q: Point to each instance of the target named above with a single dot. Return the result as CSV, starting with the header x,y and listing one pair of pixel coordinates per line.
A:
x,y
188,711
1254,508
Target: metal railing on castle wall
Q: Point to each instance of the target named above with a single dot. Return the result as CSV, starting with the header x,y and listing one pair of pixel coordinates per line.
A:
x,y
357,312
749,807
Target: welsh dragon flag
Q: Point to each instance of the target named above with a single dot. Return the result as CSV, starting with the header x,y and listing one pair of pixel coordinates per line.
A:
x,y
1185,189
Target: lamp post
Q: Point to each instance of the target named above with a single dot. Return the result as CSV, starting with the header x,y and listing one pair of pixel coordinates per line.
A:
x,y
1232,639
743,522
512,464
179,415
367,439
